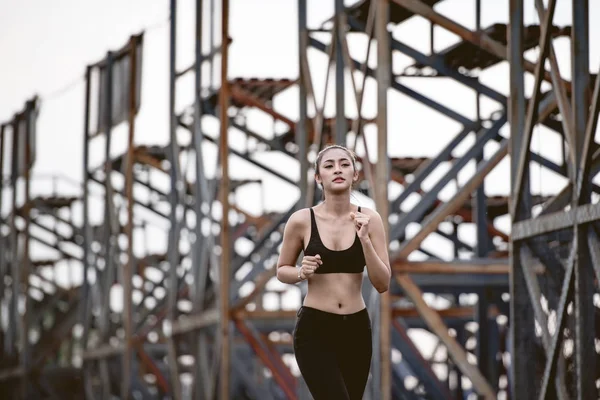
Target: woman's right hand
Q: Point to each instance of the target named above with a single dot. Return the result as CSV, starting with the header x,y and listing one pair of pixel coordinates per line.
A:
x,y
309,266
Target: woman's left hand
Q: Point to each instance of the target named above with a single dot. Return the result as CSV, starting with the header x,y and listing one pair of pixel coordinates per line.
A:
x,y
361,223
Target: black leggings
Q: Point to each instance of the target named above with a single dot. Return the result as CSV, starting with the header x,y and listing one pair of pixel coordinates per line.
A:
x,y
333,352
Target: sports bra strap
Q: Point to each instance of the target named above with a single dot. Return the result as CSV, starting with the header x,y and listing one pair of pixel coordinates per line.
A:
x,y
313,224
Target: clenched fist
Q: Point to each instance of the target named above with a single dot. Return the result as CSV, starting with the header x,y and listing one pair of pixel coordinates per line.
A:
x,y
361,223
309,266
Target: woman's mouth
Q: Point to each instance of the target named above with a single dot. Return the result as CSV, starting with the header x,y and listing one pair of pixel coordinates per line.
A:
x,y
337,180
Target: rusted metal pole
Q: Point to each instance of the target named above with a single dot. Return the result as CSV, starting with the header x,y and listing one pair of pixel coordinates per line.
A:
x,y
382,178
302,126
558,88
86,232
341,127
521,324
585,354
3,241
358,95
357,126
203,387
174,234
87,238
212,41
13,311
224,191
128,267
2,142
479,215
201,186
25,358
318,120
532,111
109,224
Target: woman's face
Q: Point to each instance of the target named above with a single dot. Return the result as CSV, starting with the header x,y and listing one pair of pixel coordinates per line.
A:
x,y
336,171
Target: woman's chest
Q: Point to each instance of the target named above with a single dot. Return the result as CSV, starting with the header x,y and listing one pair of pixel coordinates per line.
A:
x,y
336,235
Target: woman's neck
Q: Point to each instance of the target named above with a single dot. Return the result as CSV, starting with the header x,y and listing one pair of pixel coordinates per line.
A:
x,y
338,204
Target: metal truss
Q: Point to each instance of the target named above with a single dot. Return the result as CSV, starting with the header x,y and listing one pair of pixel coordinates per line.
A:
x,y
192,321
562,353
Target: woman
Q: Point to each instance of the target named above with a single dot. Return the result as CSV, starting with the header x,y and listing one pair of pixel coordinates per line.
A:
x,y
332,337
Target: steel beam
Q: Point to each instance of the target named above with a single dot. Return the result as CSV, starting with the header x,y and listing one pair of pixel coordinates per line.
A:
x,y
421,368
531,118
384,69
522,382
540,225
302,125
225,242
127,271
585,357
175,205
341,128
456,351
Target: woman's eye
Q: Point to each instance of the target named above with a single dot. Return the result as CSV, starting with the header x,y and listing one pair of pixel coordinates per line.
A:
x,y
328,166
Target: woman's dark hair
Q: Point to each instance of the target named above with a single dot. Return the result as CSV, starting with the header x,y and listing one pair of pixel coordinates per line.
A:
x,y
334,146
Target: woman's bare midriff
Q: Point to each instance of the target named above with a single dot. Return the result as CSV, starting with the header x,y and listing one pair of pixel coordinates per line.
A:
x,y
338,293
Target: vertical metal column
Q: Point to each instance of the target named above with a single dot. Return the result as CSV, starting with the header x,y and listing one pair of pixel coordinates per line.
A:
x,y
201,186
480,218
85,309
14,250
2,146
224,188
522,380
86,304
585,354
174,200
127,270
384,67
480,206
25,358
341,127
302,137
212,44
203,385
3,243
301,126
109,226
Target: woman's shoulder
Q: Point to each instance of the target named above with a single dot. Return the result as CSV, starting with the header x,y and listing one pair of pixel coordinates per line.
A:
x,y
300,217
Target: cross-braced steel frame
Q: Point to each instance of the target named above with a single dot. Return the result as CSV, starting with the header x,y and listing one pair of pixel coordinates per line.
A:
x,y
560,312
199,314
478,50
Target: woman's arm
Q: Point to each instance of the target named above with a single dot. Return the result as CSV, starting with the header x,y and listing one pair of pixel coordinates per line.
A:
x,y
291,248
374,244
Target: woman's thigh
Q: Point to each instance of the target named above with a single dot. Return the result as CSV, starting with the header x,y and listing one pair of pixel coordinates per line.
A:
x,y
317,360
354,355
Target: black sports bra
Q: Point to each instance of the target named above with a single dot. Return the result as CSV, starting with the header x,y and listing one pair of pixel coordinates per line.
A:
x,y
350,260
